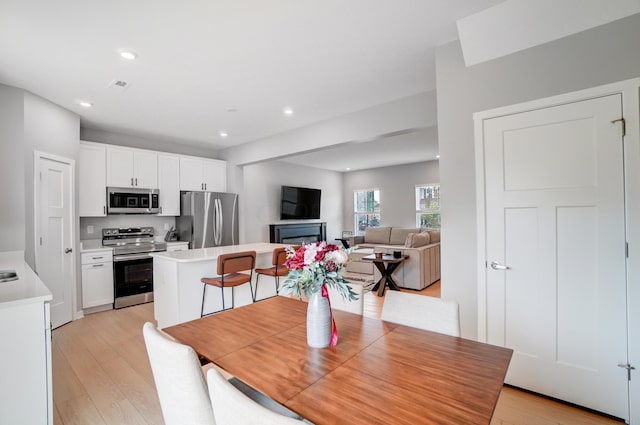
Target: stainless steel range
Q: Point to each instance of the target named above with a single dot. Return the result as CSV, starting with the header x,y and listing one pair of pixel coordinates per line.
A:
x,y
132,263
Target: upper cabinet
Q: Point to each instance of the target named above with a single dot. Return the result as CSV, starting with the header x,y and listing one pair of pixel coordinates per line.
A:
x,y
92,180
132,168
169,184
101,166
203,175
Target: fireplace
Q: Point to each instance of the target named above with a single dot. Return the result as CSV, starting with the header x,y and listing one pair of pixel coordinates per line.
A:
x,y
297,233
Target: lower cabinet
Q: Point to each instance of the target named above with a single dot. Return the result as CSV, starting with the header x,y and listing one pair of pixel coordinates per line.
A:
x,y
97,278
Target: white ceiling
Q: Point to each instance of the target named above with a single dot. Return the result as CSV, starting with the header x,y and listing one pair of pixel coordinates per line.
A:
x,y
199,58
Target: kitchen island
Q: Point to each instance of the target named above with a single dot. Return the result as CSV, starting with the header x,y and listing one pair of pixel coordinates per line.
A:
x,y
177,289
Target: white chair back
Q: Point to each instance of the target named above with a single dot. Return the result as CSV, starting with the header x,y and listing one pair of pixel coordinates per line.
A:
x,y
339,303
232,407
181,386
419,311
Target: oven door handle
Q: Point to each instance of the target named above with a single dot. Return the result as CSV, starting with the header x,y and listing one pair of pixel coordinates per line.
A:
x,y
117,259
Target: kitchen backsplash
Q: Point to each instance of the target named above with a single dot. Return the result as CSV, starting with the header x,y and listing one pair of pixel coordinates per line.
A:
x,y
125,220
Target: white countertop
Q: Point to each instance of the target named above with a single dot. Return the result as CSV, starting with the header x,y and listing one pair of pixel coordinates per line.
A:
x,y
27,289
207,254
91,245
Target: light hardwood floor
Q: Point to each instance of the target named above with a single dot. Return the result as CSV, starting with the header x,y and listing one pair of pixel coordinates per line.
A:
x,y
101,375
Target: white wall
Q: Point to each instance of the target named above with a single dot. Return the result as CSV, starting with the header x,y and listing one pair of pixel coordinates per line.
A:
x,y
259,202
591,58
397,191
12,217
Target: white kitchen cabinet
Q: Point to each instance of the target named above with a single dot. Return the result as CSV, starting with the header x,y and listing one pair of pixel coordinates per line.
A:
x,y
214,175
169,184
132,168
97,278
92,178
203,175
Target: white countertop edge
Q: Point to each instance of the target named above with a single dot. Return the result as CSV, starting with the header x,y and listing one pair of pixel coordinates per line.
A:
x,y
208,254
27,289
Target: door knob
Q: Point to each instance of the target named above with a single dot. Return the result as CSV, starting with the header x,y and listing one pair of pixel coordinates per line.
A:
x,y
67,250
497,266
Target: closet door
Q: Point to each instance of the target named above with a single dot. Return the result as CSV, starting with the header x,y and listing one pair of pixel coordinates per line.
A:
x,y
555,250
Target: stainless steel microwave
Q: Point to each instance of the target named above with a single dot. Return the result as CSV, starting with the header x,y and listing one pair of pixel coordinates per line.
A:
x,y
132,201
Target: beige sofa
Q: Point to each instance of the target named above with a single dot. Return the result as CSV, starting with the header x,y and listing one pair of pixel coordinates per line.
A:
x,y
420,270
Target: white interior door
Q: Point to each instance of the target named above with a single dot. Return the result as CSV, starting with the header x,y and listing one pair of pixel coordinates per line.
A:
x,y
54,233
555,216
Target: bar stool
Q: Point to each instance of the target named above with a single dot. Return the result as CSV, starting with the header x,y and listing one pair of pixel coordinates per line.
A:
x,y
278,258
229,276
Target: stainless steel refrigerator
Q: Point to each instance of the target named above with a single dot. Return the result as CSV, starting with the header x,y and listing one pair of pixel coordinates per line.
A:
x,y
208,219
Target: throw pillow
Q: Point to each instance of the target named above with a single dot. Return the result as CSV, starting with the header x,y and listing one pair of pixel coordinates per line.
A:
x,y
434,235
399,235
379,235
415,240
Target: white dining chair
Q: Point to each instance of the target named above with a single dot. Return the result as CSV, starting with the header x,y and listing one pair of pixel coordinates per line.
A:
x,y
339,303
419,311
232,407
182,390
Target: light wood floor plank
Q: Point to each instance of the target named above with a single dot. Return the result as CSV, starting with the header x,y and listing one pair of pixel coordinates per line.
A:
x,y
122,413
140,393
79,411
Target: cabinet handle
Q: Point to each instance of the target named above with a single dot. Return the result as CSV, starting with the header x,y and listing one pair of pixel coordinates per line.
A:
x,y
104,209
97,258
98,265
202,186
205,186
136,181
131,181
160,210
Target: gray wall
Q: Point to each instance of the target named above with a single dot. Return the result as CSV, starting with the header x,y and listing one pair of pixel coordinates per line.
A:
x,y
12,221
595,57
54,130
260,198
397,191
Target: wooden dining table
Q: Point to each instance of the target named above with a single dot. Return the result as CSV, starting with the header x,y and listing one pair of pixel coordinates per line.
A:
x,y
378,373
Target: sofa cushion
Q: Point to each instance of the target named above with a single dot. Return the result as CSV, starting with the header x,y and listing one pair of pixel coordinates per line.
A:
x,y
415,240
434,235
399,236
377,235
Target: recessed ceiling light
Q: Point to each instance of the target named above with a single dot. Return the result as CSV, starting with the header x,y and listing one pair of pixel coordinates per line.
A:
x,y
348,169
437,156
223,134
288,111
231,110
129,55
85,104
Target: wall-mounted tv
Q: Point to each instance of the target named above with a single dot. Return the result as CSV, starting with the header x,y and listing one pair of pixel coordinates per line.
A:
x,y
299,203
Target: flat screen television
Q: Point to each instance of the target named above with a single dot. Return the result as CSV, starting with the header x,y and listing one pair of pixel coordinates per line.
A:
x,y
299,203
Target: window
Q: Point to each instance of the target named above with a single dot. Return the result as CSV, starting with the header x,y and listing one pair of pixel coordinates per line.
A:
x,y
366,208
428,206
